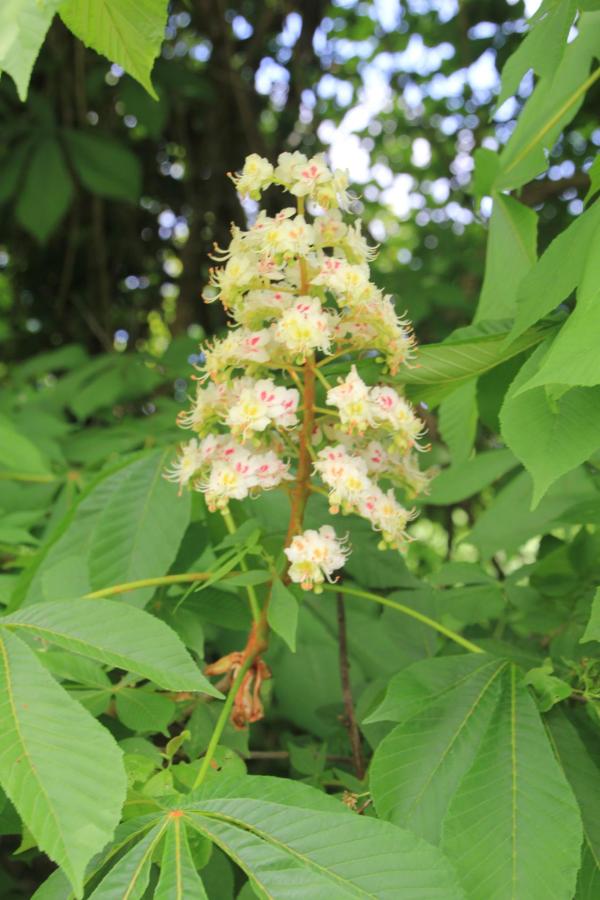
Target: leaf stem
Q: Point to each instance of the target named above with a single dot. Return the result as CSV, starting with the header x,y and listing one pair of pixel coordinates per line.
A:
x,y
222,721
124,587
413,613
252,598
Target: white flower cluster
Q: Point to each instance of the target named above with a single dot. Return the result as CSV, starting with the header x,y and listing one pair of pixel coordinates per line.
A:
x,y
298,291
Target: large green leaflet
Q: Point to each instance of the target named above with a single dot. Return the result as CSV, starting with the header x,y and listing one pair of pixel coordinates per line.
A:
x,y
61,769
127,32
23,27
136,641
513,828
583,775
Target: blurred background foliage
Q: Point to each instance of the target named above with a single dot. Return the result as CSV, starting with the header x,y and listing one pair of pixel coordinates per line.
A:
x,y
111,201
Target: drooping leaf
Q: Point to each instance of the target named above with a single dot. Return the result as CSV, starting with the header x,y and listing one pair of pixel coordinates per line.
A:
x,y
510,254
418,767
138,533
23,27
178,877
127,32
62,770
104,166
118,635
47,190
294,842
549,436
513,828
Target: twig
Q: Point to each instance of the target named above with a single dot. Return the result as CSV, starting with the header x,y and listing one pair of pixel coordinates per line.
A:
x,y
350,718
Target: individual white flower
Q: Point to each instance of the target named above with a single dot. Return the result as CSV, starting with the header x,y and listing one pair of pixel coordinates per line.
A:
x,y
261,403
304,327
310,176
390,409
269,470
346,477
209,402
350,282
187,464
256,175
314,556
288,165
387,516
351,397
237,274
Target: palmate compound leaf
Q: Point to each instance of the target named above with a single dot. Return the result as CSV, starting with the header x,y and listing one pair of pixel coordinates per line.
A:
x,y
476,765
296,842
116,634
61,769
290,839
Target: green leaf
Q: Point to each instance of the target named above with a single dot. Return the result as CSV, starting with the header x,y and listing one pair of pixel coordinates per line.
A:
x,y
60,768
178,877
105,166
573,356
550,437
127,32
548,688
510,254
594,173
46,192
135,640
423,683
467,478
592,631
282,613
583,775
542,48
23,27
508,522
458,360
487,164
418,767
558,271
138,533
295,842
554,102
129,877
458,420
144,711
18,453
513,827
